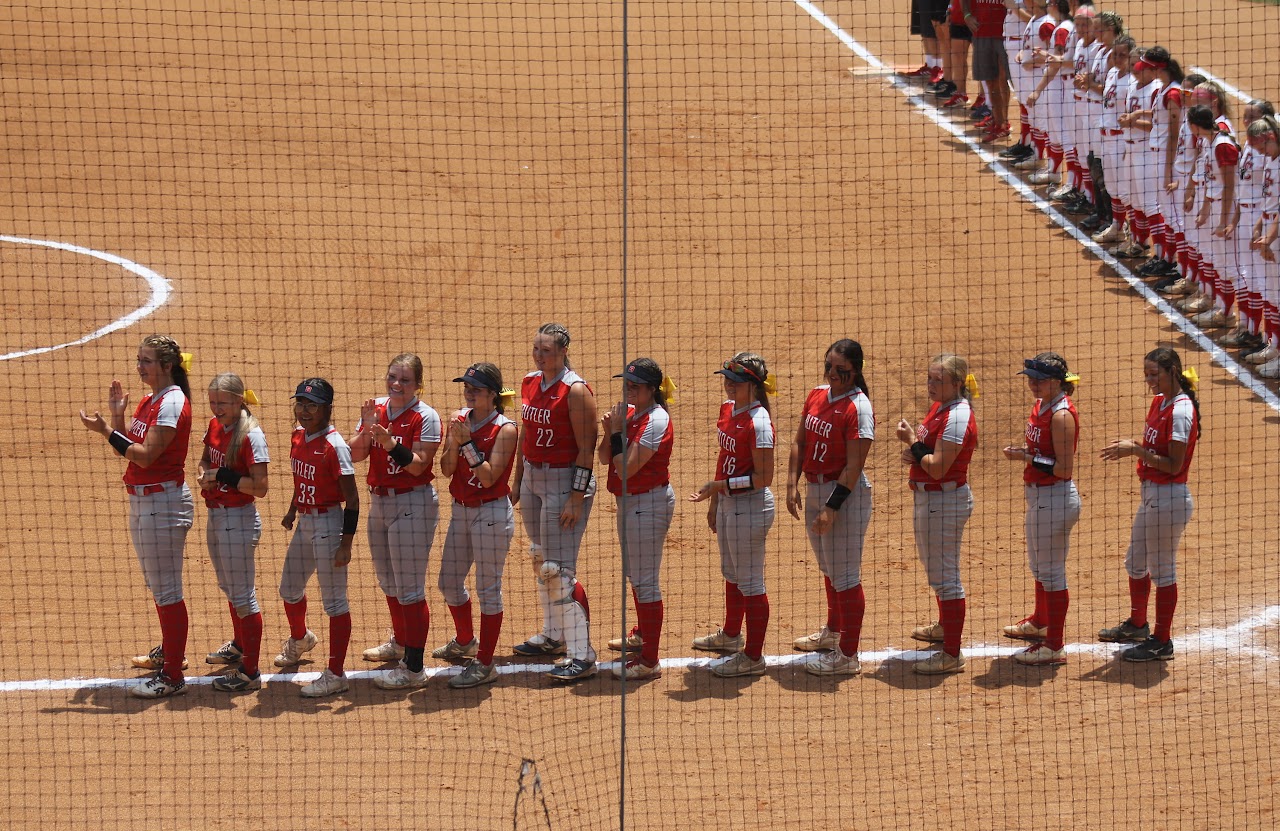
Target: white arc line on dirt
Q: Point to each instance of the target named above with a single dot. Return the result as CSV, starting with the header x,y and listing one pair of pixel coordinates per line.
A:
x,y
160,291
1005,174
1231,638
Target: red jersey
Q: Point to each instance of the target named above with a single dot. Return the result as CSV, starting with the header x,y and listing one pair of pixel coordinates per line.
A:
x,y
990,16
651,429
1040,436
829,424
464,486
253,450
415,423
319,460
951,422
1167,422
166,408
740,432
544,410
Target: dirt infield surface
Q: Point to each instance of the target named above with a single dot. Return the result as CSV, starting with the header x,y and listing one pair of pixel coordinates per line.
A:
x,y
325,185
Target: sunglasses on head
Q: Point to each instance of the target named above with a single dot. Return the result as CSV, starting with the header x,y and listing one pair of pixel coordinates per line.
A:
x,y
739,368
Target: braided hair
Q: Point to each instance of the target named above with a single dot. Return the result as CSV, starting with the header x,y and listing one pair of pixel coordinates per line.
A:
x,y
1169,360
170,357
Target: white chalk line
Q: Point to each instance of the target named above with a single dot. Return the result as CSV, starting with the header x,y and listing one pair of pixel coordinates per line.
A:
x,y
1231,638
1007,175
160,291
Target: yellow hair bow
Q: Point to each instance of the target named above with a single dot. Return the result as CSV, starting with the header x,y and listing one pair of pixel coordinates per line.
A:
x,y
251,398
971,384
770,385
185,363
507,397
1072,378
668,389
1193,377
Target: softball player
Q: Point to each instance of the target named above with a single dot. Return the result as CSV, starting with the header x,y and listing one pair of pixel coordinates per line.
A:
x,y
399,435
740,513
1217,213
1164,457
938,452
553,479
1053,504
636,440
323,479
836,429
155,444
479,452
233,473
1264,135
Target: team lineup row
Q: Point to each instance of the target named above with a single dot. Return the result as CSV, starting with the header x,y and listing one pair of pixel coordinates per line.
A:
x,y
545,467
1145,153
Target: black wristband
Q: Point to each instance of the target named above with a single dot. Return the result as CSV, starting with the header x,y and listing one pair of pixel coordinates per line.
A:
x,y
1043,464
471,455
838,495
350,521
119,441
616,444
919,450
229,477
401,455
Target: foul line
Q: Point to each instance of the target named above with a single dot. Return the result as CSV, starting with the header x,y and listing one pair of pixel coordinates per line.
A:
x,y
160,291
1206,640
1009,177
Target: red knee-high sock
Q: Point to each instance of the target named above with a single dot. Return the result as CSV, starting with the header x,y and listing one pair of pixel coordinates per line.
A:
x,y
1057,603
1040,617
951,614
173,638
1166,604
853,605
1118,211
833,605
462,623
236,636
757,614
1227,292
1139,591
1055,155
638,627
251,646
339,639
735,607
490,626
417,621
296,614
397,619
650,615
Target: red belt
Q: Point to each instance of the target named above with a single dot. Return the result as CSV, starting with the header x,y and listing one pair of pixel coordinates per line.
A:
x,y
476,503
1266,215
150,490
1247,204
936,486
1107,132
317,509
819,479
393,491
547,465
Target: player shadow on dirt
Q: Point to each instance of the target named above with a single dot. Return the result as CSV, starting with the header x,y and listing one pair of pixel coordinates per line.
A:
x,y
1142,676
897,672
700,684
114,699
1005,672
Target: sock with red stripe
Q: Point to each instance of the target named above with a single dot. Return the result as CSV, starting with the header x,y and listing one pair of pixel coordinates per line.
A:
x,y
251,645
397,619
490,626
1166,604
339,639
650,615
951,616
757,614
1141,226
1024,123
1139,592
833,605
462,623
296,614
1118,211
173,638
735,608
1057,603
853,606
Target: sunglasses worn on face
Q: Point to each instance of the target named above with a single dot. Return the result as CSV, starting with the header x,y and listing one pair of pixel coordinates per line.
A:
x,y
845,375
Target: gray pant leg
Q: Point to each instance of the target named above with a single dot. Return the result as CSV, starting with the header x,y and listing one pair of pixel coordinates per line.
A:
x,y
492,528
455,558
647,519
1162,516
158,526
299,563
326,535
382,510
552,486
744,525
839,551
410,532
232,535
1052,511
939,519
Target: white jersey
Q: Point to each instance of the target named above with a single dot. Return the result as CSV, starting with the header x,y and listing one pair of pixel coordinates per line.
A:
x,y
1250,179
1109,119
1271,187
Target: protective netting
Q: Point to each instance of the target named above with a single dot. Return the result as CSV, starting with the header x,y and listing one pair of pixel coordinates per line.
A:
x,y
309,189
